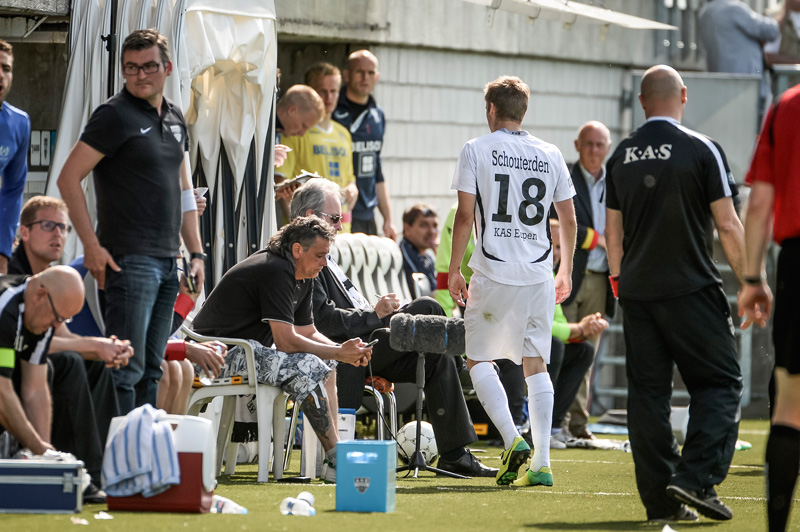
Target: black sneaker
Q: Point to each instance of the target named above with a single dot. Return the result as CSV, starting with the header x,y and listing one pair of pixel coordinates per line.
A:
x,y
467,465
94,495
684,514
706,502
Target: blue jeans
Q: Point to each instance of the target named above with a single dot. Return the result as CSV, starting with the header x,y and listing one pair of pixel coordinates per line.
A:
x,y
139,306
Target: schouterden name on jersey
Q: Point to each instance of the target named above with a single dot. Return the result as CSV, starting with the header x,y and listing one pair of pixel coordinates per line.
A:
x,y
519,163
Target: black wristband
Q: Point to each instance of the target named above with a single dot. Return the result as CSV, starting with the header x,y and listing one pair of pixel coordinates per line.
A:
x,y
201,256
754,280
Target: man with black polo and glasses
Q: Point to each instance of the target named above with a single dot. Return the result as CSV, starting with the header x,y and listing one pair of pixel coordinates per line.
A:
x,y
665,185
135,144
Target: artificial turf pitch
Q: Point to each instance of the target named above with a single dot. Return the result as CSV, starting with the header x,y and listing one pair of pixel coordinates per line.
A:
x,y
594,491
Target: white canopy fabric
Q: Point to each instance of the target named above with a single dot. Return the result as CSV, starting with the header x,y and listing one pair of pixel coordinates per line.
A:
x,y
84,90
224,75
570,11
231,56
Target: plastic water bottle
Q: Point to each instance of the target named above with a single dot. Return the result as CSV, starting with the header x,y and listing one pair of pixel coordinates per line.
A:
x,y
223,505
303,504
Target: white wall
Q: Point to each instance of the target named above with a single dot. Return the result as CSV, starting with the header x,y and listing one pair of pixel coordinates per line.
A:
x,y
437,55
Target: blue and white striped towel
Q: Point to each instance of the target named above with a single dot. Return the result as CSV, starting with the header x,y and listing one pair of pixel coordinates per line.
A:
x,y
141,456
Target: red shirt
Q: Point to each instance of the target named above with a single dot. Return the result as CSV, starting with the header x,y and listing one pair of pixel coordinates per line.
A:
x,y
777,161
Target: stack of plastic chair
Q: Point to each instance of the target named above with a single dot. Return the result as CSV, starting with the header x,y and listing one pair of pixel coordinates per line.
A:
x,y
381,273
365,275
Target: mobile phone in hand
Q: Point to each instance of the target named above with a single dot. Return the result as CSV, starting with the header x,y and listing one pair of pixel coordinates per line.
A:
x,y
191,280
373,342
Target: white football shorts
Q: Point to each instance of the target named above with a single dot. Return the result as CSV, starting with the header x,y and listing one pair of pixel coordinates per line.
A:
x,y
505,321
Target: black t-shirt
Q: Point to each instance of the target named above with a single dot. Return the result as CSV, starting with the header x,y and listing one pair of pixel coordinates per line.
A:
x,y
138,180
260,289
17,342
19,264
663,179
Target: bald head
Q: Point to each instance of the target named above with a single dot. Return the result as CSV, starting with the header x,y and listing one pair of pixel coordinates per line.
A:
x,y
663,92
53,295
593,144
299,109
360,55
361,76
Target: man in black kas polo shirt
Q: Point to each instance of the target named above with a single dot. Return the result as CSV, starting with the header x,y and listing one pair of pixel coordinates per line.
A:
x,y
136,144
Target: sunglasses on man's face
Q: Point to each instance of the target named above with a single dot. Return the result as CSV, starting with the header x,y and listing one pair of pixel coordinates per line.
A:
x,y
335,219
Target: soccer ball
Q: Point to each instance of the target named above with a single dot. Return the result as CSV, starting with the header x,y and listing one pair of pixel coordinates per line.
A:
x,y
406,440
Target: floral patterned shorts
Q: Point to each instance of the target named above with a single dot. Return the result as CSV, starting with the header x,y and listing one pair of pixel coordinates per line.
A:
x,y
296,373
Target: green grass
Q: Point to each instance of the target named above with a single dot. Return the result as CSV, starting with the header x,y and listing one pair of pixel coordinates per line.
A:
x,y
594,491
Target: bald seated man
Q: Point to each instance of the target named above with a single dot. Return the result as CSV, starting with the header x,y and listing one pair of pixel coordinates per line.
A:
x,y
46,300
666,184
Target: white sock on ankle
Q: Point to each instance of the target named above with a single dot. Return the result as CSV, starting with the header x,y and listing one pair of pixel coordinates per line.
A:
x,y
493,397
540,408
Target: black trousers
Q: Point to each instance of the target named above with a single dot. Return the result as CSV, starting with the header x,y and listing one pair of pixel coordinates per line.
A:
x,y
447,410
786,312
512,377
568,364
368,227
694,332
84,401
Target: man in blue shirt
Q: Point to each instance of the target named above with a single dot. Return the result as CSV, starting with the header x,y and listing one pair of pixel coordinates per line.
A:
x,y
420,233
358,112
15,134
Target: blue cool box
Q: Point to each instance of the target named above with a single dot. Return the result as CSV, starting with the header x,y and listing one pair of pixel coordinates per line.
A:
x,y
40,487
365,476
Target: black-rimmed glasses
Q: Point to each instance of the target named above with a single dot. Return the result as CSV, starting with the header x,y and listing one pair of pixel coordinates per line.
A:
x,y
48,226
59,319
131,69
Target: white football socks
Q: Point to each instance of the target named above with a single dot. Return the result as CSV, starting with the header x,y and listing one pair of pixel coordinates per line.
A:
x,y
540,408
493,397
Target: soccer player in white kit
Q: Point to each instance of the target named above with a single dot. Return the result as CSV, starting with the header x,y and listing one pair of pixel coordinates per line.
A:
x,y
507,181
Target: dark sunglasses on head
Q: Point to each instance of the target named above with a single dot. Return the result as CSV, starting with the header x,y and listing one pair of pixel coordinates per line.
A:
x,y
48,226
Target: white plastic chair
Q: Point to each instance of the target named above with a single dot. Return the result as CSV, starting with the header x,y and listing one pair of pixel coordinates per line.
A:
x,y
384,262
357,264
397,277
270,406
334,253
344,257
365,243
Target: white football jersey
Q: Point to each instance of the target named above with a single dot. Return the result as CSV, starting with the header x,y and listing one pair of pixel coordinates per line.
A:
x,y
515,178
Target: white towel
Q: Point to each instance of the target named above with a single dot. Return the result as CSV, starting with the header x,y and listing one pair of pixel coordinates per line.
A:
x,y
141,457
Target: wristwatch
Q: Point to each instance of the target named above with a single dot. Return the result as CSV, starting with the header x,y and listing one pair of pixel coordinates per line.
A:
x,y
201,256
754,280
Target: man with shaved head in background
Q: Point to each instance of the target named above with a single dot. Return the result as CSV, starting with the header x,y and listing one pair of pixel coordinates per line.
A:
x,y
31,308
358,112
665,185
